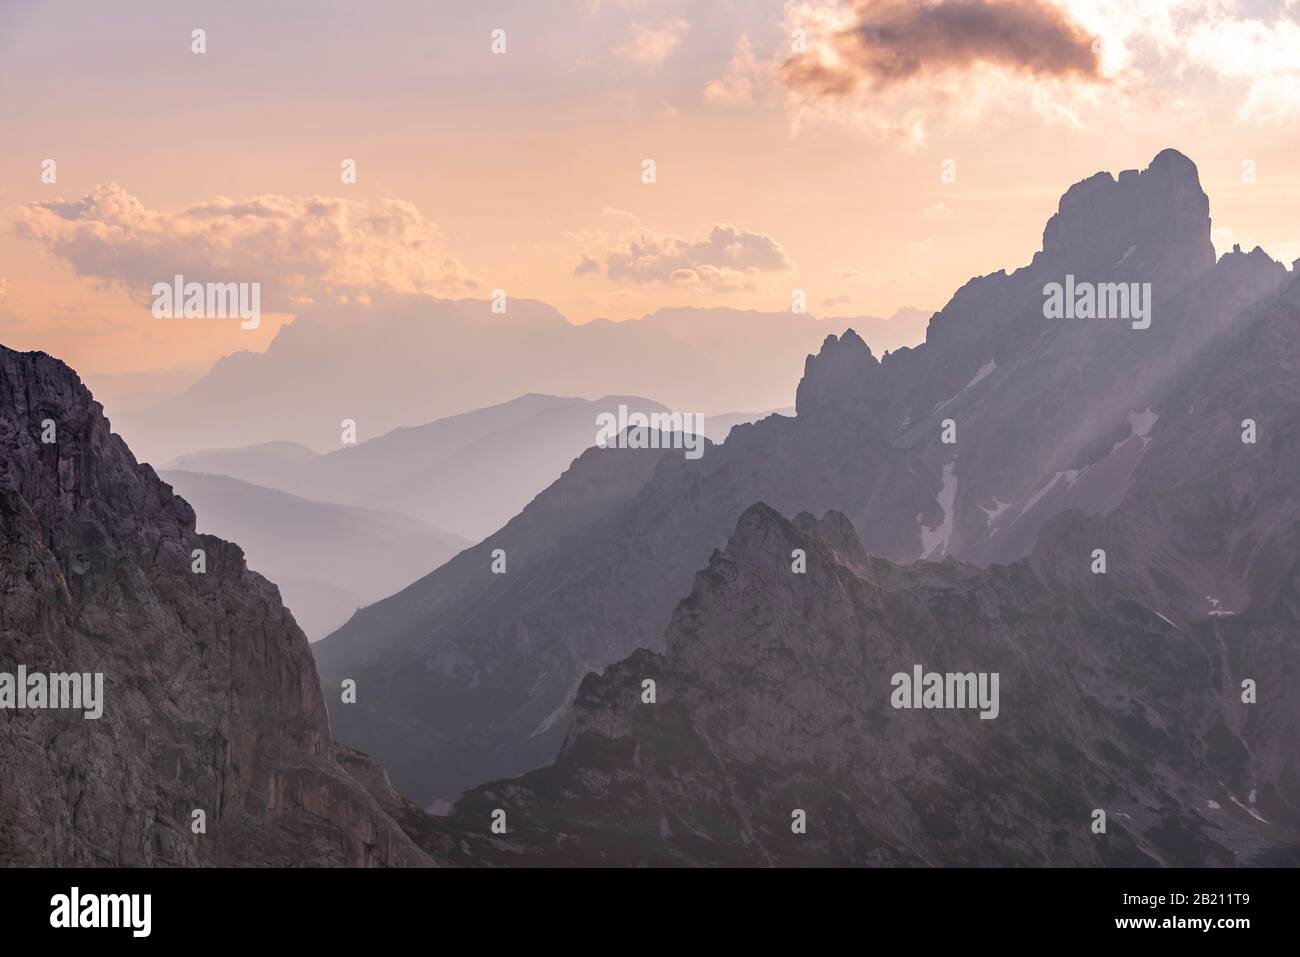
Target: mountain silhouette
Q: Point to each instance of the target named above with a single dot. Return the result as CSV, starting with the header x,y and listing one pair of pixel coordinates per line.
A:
x,y
1050,415
408,360
327,559
467,473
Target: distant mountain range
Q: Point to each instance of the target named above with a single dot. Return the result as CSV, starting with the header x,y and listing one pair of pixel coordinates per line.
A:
x,y
1086,417
331,556
329,560
671,660
468,473
407,361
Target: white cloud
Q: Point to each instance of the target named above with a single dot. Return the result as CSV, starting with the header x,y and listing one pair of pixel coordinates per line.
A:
x,y
296,247
728,258
1264,56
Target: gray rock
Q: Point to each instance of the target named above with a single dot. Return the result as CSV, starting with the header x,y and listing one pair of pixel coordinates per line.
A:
x,y
212,701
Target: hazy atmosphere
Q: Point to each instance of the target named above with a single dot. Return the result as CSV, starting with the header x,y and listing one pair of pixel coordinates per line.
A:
x,y
651,434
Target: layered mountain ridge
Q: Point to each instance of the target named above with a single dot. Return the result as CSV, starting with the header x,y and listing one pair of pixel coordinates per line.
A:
x,y
1104,518
1049,415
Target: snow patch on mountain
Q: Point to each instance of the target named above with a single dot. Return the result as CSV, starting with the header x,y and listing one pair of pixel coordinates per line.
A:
x,y
991,514
935,539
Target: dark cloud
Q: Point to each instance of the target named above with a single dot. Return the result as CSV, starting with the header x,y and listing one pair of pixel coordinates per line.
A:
x,y
897,40
587,267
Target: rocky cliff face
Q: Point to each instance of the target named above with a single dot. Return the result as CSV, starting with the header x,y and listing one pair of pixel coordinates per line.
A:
x,y
773,702
1156,689
1049,415
211,697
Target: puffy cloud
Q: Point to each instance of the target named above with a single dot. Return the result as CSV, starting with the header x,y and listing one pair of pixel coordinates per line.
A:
x,y
651,45
586,267
894,41
728,258
296,247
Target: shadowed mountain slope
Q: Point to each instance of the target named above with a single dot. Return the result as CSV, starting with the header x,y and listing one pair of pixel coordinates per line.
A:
x,y
1049,415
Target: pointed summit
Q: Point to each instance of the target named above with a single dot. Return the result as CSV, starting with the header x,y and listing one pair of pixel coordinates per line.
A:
x,y
841,371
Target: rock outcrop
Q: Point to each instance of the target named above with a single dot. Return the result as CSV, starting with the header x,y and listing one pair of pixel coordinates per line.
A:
x,y
1145,714
212,709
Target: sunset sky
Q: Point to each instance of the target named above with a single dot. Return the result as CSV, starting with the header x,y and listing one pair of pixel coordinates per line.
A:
x,y
775,169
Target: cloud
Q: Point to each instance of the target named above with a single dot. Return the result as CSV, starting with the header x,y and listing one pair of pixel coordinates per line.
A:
x,y
728,258
296,247
587,266
840,300
1261,54
896,69
737,85
890,42
651,45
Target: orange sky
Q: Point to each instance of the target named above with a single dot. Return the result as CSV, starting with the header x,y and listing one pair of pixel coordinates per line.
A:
x,y
479,171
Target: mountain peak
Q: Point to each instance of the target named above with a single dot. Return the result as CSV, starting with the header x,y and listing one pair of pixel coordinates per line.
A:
x,y
839,373
1161,212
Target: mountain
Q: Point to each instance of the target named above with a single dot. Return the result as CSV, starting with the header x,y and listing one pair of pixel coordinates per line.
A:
x,y
468,473
210,698
1047,415
774,701
273,464
328,559
404,361
718,427
136,391
1124,692
904,329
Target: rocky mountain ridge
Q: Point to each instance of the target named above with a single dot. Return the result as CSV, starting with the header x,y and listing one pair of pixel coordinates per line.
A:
x,y
212,702
1048,415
